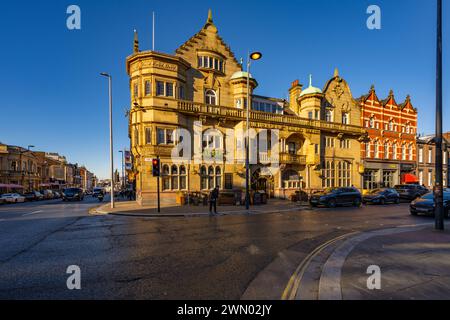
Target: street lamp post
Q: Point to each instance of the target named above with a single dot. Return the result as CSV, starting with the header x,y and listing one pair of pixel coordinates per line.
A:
x,y
438,189
251,56
111,148
29,172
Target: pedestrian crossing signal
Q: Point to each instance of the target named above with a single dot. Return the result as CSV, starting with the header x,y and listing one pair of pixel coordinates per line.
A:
x,y
156,168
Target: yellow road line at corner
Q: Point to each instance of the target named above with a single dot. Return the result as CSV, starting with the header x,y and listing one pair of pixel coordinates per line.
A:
x,y
291,289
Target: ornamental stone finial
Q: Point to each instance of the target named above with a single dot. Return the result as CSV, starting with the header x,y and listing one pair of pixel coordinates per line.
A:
x,y
136,42
210,19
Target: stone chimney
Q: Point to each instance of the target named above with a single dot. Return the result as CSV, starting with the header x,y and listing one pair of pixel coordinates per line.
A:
x,y
294,94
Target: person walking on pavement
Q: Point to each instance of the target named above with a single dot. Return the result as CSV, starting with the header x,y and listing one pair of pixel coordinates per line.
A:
x,y
213,196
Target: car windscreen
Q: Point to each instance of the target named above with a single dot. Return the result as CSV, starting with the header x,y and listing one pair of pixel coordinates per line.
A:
x,y
71,190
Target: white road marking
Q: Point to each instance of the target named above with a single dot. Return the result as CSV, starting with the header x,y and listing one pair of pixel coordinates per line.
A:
x,y
31,213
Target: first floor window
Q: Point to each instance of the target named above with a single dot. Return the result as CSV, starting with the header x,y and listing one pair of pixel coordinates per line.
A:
x,y
148,87
165,136
430,178
135,90
328,116
159,88
421,177
169,89
148,135
394,151
345,118
210,97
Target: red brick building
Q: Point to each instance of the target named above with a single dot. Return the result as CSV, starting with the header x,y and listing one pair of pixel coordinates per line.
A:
x,y
390,155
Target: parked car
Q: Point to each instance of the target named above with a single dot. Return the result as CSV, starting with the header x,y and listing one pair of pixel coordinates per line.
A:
x,y
411,191
98,191
13,197
56,195
70,194
48,194
382,196
2,201
33,196
333,197
425,205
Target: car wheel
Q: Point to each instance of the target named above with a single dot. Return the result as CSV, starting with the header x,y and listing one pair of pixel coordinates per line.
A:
x,y
382,202
357,203
397,201
332,203
413,213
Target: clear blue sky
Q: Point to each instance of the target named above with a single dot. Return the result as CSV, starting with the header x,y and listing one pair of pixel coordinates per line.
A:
x,y
51,94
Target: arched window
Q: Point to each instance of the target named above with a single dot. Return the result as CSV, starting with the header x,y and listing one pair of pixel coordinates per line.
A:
x,y
394,151
165,177
371,122
376,150
391,125
210,177
203,178
218,177
210,97
367,149
403,152
183,178
386,150
345,118
174,177
329,116
410,152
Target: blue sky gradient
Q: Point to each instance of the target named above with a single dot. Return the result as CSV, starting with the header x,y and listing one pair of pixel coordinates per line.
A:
x,y
51,94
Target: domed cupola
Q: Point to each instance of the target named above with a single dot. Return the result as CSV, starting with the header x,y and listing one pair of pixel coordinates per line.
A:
x,y
310,89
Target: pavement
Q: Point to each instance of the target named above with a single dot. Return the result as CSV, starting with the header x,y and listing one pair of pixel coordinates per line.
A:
x,y
412,262
281,255
131,208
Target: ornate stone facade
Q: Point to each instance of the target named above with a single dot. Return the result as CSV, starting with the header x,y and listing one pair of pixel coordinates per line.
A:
x,y
202,86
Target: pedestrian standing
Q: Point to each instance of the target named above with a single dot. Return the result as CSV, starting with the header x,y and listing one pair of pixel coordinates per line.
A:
x,y
213,197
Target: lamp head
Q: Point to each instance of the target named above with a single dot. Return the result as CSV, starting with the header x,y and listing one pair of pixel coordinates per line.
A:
x,y
105,74
256,55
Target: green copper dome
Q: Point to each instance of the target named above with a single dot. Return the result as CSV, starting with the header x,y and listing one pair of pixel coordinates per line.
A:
x,y
310,89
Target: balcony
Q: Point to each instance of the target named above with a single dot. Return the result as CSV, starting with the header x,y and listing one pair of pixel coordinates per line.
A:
x,y
201,109
282,158
288,158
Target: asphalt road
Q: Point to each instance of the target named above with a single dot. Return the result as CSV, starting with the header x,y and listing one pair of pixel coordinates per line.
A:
x,y
160,258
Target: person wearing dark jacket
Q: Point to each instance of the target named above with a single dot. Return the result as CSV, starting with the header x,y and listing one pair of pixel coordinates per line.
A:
x,y
213,197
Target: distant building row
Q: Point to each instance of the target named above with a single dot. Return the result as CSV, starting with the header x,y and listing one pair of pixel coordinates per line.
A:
x,y
26,170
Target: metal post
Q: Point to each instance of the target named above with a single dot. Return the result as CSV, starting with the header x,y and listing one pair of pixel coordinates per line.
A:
x,y
111,147
157,185
438,192
247,141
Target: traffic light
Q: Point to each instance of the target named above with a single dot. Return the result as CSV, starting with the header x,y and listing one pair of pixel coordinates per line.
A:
x,y
156,171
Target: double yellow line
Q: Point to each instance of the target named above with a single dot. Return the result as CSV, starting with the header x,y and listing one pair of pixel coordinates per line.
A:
x,y
291,289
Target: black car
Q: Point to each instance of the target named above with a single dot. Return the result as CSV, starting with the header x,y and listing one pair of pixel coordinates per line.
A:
x,y
73,194
382,196
425,205
333,197
411,191
33,196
